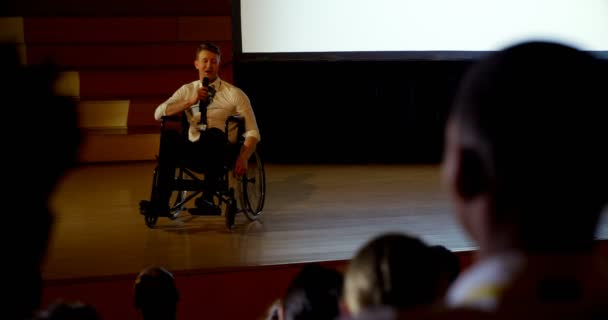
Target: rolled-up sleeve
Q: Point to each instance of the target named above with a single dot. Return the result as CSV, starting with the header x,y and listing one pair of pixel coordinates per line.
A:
x,y
180,94
160,110
244,109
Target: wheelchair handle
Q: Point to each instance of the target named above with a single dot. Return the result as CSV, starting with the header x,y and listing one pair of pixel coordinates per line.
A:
x,y
235,118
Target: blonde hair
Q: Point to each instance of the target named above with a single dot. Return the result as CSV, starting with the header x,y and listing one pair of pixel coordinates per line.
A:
x,y
392,269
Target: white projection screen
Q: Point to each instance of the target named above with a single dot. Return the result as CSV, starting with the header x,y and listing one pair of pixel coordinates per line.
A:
x,y
411,29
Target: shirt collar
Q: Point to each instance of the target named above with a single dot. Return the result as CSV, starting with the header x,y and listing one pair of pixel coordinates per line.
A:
x,y
216,83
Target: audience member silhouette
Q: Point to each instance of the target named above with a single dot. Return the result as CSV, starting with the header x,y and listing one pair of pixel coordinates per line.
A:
x,y
155,294
33,115
526,164
393,270
314,293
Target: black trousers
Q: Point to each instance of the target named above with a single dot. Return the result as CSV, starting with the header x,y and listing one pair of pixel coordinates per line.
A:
x,y
207,155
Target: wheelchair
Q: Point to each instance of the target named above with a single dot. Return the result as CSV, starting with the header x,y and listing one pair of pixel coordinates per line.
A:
x,y
234,194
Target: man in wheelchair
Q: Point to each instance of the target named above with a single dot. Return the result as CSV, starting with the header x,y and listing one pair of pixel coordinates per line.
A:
x,y
207,103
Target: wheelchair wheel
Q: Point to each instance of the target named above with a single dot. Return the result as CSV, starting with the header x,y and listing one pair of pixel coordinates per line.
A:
x,y
146,208
151,220
253,188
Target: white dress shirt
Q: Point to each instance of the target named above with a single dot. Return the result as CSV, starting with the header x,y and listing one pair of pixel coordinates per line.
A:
x,y
228,100
481,286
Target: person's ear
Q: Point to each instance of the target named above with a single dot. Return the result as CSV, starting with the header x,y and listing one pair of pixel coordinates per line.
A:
x,y
196,64
471,176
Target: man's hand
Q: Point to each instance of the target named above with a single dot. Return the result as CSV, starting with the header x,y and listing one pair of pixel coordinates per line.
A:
x,y
185,104
240,168
201,94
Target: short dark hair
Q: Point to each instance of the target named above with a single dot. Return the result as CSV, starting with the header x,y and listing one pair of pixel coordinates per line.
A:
x,y
155,292
314,293
208,46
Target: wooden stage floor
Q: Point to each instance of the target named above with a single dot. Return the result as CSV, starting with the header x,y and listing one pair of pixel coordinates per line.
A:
x,y
312,213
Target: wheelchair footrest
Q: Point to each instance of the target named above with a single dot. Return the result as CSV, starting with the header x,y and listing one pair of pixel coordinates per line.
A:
x,y
205,212
205,208
189,185
145,207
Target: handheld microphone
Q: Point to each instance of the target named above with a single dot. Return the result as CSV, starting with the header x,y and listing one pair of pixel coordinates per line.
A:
x,y
202,105
211,90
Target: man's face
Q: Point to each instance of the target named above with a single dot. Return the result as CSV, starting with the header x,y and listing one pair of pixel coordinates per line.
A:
x,y
207,64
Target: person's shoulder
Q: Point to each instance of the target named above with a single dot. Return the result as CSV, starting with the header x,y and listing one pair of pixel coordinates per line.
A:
x,y
188,87
232,89
192,84
229,86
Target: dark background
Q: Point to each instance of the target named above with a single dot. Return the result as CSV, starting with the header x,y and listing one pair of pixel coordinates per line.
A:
x,y
351,111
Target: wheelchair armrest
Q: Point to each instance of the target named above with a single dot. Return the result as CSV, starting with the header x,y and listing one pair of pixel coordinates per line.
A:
x,y
176,122
171,118
235,118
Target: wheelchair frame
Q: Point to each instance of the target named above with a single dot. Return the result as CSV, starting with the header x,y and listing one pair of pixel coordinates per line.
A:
x,y
246,195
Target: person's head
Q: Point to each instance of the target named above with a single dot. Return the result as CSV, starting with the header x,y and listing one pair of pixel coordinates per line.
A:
x,y
314,293
207,61
525,157
34,116
394,270
155,294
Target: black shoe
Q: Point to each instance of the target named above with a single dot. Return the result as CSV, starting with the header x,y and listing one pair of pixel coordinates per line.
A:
x,y
145,207
205,208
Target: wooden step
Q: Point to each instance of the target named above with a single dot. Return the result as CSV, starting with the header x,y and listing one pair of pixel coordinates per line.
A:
x,y
129,83
133,30
114,145
116,8
100,29
109,137
125,55
11,31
